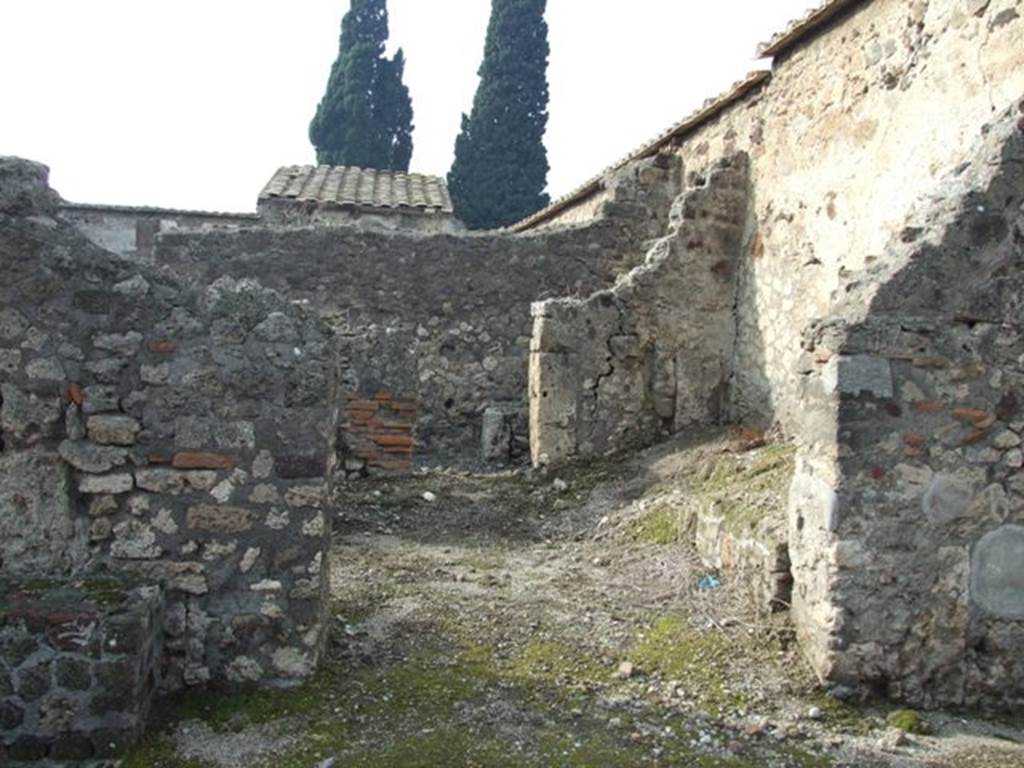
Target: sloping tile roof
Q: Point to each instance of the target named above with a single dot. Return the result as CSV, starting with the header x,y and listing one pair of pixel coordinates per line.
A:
x,y
800,30
362,187
710,109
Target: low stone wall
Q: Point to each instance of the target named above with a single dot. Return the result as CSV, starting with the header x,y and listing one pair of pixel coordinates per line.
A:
x,y
79,662
184,435
649,356
129,231
460,305
907,511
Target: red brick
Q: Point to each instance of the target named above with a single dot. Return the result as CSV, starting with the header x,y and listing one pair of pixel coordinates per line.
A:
x,y
926,407
383,397
163,347
378,423
203,461
974,416
75,394
878,472
361,404
913,439
159,458
392,440
976,437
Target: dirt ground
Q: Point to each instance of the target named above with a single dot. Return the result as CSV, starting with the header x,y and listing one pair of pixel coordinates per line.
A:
x,y
531,619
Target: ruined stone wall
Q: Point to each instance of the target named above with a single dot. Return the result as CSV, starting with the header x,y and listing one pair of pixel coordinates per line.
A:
x,y
460,304
184,435
907,518
79,664
649,356
132,232
854,125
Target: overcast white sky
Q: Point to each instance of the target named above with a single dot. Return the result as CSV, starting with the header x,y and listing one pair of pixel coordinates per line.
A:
x,y
194,103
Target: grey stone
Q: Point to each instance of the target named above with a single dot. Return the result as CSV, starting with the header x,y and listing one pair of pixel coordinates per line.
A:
x,y
135,287
74,674
10,361
47,369
11,715
100,399
155,374
134,540
496,436
88,457
37,530
12,324
113,430
74,425
946,499
27,415
123,344
34,682
864,373
106,484
997,572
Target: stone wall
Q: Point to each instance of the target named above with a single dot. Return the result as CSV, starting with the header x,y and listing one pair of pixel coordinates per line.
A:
x,y
907,518
888,348
132,232
79,663
288,212
855,124
184,435
647,357
461,304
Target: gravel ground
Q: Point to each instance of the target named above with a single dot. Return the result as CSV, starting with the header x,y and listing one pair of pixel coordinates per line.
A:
x,y
526,619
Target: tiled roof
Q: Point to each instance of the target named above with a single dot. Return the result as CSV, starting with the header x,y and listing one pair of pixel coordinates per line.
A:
x,y
366,188
803,28
798,31
710,109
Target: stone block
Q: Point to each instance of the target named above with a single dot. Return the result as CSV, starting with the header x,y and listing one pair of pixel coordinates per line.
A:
x,y
113,430
220,519
195,460
88,457
997,572
865,374
106,484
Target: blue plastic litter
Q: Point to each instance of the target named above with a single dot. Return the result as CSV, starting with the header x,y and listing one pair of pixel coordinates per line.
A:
x,y
708,583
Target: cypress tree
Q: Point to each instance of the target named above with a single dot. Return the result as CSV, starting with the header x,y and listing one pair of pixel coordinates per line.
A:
x,y
365,116
500,169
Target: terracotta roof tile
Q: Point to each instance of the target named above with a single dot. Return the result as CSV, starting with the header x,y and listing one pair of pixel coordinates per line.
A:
x,y
368,188
801,29
709,110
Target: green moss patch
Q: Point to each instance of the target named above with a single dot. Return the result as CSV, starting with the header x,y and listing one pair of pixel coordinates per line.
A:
x,y
908,721
698,660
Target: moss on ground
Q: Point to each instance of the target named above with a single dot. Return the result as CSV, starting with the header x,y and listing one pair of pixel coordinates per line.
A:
x,y
908,721
843,716
745,489
698,660
552,661
663,523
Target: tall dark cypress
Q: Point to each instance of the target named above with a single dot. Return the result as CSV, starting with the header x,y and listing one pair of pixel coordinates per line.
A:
x,y
500,169
365,116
